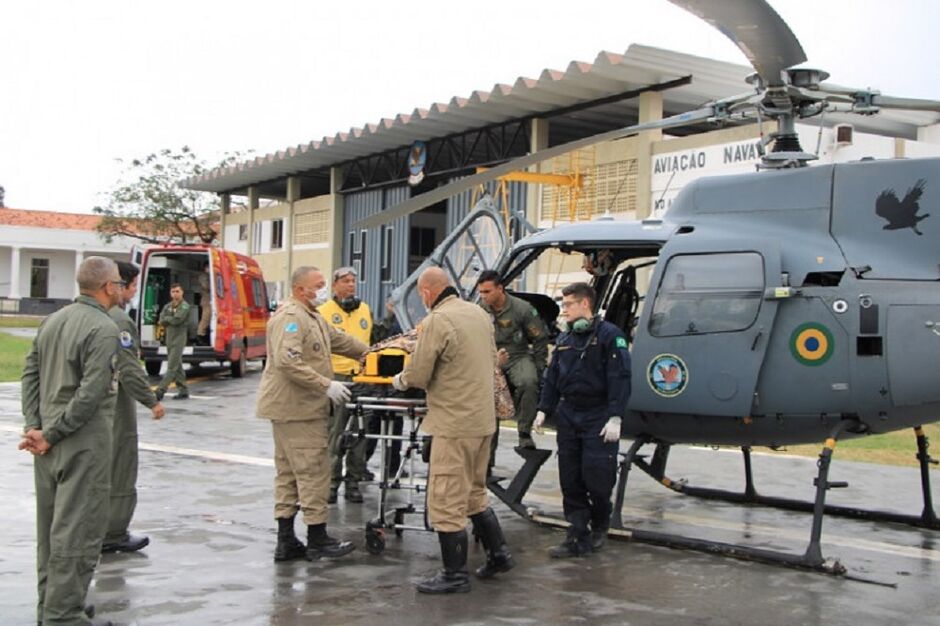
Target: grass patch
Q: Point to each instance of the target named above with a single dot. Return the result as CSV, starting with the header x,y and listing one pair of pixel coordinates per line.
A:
x,y
20,321
13,351
897,448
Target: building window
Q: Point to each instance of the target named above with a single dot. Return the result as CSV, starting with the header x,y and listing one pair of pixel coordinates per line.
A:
x,y
387,253
277,234
256,238
357,254
243,232
39,279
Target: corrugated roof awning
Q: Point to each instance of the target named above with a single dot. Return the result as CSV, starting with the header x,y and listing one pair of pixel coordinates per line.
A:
x,y
581,82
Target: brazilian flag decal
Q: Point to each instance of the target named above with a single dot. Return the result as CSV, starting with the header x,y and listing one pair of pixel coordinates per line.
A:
x,y
811,344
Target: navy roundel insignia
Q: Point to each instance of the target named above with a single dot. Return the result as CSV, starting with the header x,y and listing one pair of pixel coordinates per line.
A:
x,y
316,347
667,375
337,318
126,340
363,323
811,344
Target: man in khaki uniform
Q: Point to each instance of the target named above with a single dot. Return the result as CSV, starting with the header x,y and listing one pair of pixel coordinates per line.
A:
x,y
453,361
297,393
133,388
69,387
175,319
347,313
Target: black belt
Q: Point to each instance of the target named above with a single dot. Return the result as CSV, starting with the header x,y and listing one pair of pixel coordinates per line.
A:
x,y
583,402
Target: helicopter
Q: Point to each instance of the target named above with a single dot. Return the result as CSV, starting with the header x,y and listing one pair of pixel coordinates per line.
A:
x,y
791,305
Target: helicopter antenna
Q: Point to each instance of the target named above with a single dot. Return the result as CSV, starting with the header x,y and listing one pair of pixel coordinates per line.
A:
x,y
822,118
668,183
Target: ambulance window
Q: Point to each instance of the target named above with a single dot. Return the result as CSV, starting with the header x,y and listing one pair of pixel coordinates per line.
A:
x,y
257,292
708,293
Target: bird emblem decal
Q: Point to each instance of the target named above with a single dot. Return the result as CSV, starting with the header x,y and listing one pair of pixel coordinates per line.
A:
x,y
670,374
901,213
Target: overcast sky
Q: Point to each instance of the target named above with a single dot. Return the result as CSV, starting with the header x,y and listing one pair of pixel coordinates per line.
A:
x,y
85,83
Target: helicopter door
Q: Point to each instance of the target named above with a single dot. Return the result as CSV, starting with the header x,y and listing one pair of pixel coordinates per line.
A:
x,y
701,342
480,242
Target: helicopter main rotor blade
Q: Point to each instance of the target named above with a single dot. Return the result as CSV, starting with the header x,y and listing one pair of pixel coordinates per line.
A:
x,y
909,104
446,191
756,29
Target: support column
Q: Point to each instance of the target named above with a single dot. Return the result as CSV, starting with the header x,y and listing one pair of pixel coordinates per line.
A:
x,y
293,195
15,273
336,228
253,201
538,140
651,109
79,257
225,202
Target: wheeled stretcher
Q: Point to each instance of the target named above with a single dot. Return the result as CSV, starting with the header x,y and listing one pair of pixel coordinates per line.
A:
x,y
411,514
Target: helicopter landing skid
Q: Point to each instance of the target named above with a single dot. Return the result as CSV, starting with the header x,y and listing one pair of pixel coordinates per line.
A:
x,y
927,519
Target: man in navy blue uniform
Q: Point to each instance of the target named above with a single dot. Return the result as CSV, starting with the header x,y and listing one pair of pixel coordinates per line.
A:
x,y
587,384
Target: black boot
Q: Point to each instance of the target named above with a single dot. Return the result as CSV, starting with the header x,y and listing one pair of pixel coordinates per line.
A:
x,y
289,547
498,559
130,543
454,577
320,544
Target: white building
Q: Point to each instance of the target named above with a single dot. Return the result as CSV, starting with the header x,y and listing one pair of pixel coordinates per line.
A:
x,y
40,252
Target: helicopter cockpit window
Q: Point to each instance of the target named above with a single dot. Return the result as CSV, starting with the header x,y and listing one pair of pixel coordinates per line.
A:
x,y
708,293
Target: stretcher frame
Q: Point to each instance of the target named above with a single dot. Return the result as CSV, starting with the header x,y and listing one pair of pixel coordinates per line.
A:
x,y
414,447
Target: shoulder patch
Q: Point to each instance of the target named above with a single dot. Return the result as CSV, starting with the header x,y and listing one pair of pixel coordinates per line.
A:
x,y
126,340
291,327
620,342
534,312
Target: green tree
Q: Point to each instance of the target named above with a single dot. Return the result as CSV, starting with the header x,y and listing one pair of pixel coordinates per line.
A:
x,y
148,203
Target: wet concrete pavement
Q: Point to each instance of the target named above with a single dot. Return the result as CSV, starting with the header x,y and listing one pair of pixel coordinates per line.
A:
x,y
205,500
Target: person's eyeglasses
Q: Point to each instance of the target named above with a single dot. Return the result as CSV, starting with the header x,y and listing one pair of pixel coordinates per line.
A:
x,y
121,283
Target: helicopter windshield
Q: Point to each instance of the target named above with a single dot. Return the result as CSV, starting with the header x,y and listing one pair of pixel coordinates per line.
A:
x,y
708,293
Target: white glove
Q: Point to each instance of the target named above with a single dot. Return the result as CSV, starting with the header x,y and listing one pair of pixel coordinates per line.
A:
x,y
338,392
539,420
398,383
611,430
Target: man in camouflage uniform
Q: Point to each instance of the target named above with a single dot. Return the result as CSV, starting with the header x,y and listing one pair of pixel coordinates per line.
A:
x,y
522,345
133,388
175,319
69,387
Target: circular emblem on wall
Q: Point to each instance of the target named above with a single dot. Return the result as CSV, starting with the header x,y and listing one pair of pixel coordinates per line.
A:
x,y
667,375
337,318
417,158
363,324
811,344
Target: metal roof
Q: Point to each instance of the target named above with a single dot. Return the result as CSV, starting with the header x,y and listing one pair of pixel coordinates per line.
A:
x,y
609,74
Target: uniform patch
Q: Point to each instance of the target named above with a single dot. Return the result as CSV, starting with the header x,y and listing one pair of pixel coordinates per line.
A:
x,y
337,318
535,313
363,324
504,323
667,375
316,347
291,327
126,340
620,342
811,344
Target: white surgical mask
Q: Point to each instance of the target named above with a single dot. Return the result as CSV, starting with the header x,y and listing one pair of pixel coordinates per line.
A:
x,y
323,294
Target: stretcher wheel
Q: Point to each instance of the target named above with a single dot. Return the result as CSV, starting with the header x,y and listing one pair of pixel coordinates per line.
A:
x,y
375,538
399,520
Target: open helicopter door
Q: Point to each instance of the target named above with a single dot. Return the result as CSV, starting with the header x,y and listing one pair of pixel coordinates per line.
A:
x,y
478,243
703,335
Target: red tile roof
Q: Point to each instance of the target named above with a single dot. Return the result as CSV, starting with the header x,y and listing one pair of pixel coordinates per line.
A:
x,y
48,219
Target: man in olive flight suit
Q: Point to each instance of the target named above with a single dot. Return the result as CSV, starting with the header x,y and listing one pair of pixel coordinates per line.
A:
x,y
297,393
175,319
133,387
522,350
68,430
